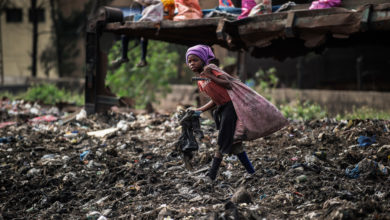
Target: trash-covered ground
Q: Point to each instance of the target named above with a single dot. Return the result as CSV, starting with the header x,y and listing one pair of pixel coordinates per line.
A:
x,y
125,166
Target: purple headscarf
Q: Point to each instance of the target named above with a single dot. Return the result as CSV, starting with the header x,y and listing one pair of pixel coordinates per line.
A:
x,y
202,51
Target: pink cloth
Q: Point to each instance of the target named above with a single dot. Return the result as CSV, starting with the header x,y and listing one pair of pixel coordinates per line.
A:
x,y
45,118
256,115
187,9
321,4
246,7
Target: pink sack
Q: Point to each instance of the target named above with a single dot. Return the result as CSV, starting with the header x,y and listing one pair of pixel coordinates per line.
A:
x,y
257,115
187,9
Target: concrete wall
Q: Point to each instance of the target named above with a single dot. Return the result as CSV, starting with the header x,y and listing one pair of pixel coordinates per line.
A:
x,y
334,101
17,43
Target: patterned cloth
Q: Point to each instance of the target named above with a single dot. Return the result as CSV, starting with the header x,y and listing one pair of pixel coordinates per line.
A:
x,y
204,52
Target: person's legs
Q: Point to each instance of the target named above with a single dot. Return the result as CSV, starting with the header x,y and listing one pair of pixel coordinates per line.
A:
x,y
144,50
215,165
125,46
243,157
123,59
227,126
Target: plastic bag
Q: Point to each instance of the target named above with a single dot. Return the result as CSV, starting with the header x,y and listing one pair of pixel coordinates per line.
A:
x,y
263,7
246,6
187,9
257,117
321,4
154,13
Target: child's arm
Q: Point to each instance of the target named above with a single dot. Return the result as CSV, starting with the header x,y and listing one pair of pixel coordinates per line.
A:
x,y
220,80
206,107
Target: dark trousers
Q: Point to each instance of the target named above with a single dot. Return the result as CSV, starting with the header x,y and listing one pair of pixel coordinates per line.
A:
x,y
225,118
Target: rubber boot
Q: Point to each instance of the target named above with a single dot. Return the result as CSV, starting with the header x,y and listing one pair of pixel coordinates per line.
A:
x,y
246,162
214,168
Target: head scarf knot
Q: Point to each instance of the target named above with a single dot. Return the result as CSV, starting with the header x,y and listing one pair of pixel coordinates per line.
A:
x,y
202,51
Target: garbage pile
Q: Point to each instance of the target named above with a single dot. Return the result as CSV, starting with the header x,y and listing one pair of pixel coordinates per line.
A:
x,y
126,166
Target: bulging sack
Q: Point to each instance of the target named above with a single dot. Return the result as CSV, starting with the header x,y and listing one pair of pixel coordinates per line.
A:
x,y
258,117
187,9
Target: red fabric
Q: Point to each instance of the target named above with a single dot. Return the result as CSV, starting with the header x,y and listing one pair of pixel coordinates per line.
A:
x,y
216,92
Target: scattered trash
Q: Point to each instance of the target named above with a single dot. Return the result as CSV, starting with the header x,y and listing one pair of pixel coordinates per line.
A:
x,y
5,124
241,196
46,118
71,134
6,140
55,171
84,155
366,141
301,178
367,168
81,115
103,133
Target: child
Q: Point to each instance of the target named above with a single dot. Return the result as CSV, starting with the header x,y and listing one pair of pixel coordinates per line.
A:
x,y
226,93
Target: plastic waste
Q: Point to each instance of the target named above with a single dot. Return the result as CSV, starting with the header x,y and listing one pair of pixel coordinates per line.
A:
x,y
103,133
368,168
123,125
71,134
301,178
365,141
153,12
189,120
352,173
6,140
81,115
228,174
84,155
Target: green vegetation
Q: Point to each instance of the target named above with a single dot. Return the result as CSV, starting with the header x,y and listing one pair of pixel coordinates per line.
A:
x,y
266,81
143,84
364,113
303,111
47,94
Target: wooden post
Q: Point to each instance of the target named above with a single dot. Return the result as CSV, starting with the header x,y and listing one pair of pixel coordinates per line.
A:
x,y
1,57
34,38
